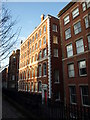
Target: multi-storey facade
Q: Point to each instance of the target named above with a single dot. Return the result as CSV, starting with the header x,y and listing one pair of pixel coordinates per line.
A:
x,y
40,69
13,70
4,77
75,37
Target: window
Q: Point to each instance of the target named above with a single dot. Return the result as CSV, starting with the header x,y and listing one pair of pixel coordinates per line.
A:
x,y
55,39
56,75
32,48
39,86
30,41
85,95
32,86
13,77
35,87
32,59
82,68
75,13
40,55
36,36
77,28
80,46
40,71
44,52
71,70
88,3
32,73
72,94
40,32
36,72
88,37
86,22
54,28
66,20
44,29
44,40
24,75
69,50
33,38
84,6
57,96
36,45
36,57
29,86
29,74
55,52
40,44
44,69
68,33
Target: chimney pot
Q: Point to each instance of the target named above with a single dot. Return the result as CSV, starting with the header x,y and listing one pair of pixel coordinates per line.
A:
x,y
42,17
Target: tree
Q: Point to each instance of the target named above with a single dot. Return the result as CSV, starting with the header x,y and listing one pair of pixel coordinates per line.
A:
x,y
8,38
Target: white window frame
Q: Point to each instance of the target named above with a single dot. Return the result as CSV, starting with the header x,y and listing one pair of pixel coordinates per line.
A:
x,y
44,69
40,70
69,50
84,6
80,46
54,28
72,94
88,37
75,12
86,22
71,71
66,20
82,66
87,95
55,52
77,28
68,33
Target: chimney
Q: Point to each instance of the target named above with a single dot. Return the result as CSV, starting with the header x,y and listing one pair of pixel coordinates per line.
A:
x,y
42,17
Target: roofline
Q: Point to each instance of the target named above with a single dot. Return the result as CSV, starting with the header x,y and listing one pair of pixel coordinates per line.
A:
x,y
66,8
48,16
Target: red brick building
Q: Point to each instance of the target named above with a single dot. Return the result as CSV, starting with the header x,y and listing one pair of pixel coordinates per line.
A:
x,y
40,69
75,38
13,70
4,77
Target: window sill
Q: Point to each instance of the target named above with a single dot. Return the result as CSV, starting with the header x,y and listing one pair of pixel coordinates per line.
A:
x,y
56,82
83,75
45,76
57,100
73,103
86,105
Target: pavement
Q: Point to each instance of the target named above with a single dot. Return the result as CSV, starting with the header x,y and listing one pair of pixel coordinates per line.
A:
x,y
9,111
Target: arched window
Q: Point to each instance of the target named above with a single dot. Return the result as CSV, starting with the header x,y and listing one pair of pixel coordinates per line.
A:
x,y
30,41
40,70
28,86
40,55
36,36
39,86
36,46
44,68
33,38
24,75
36,87
40,44
40,32
44,52
32,73
44,40
32,86
44,28
36,57
29,74
32,59
35,71
32,48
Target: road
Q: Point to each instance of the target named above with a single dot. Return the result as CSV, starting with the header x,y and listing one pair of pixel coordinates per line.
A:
x,y
9,111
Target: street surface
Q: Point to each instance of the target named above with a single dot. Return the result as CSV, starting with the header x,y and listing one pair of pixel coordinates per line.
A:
x,y
9,111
